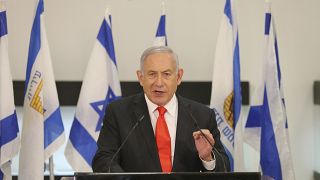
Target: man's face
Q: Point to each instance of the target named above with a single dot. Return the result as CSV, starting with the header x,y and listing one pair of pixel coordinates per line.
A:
x,y
159,78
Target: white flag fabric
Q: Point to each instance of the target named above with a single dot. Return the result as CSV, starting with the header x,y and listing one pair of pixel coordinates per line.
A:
x,y
226,88
9,130
100,86
161,35
42,131
266,127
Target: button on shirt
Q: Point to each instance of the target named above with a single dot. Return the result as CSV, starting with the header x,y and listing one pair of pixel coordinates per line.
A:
x,y
171,117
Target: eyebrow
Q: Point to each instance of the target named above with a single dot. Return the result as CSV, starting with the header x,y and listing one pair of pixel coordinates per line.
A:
x,y
167,70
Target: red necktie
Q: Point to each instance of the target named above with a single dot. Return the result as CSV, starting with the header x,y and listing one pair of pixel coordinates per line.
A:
x,y
163,141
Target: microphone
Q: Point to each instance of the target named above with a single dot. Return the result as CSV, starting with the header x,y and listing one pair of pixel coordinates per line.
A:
x,y
124,141
214,149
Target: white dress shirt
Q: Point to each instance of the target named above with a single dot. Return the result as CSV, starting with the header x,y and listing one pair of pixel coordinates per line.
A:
x,y
171,118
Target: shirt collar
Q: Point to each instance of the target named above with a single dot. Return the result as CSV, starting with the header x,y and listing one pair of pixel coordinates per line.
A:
x,y
170,106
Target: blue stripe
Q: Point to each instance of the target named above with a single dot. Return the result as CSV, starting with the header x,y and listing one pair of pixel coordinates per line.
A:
x,y
9,129
230,159
236,83
161,31
227,11
53,127
35,42
254,117
267,24
269,156
3,23
106,40
277,59
279,71
286,125
1,175
82,141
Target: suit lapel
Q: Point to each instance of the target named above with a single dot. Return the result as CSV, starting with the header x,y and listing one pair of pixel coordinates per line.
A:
x,y
184,128
145,129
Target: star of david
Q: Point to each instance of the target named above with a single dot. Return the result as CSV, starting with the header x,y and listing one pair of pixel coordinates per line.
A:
x,y
100,106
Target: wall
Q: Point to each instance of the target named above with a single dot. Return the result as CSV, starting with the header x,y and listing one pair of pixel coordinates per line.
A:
x,y
192,28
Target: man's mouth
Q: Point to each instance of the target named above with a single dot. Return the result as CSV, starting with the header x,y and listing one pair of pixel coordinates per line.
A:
x,y
157,92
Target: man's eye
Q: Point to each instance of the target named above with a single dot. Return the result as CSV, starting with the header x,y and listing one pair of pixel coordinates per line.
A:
x,y
167,74
151,75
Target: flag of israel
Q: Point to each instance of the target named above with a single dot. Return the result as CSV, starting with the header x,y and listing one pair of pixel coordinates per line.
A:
x,y
100,86
161,35
266,127
42,129
9,130
226,89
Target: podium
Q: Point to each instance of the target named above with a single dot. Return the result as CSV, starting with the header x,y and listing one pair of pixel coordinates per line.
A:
x,y
170,176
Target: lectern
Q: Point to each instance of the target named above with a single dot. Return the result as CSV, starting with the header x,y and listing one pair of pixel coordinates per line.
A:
x,y
170,176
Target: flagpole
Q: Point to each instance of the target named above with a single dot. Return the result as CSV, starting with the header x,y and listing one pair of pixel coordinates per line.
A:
x,y
51,169
163,7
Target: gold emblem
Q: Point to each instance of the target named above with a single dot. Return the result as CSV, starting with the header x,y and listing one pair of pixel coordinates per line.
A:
x,y
36,103
228,109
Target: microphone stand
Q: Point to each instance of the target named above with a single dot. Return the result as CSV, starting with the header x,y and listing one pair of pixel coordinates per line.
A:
x,y
214,149
124,142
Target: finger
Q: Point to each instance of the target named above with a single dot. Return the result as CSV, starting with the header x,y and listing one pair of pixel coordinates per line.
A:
x,y
196,136
196,133
209,136
205,131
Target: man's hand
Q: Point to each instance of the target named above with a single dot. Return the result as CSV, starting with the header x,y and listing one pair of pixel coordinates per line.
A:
x,y
203,146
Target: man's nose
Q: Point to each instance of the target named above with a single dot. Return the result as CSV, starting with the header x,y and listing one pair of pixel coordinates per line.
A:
x,y
159,80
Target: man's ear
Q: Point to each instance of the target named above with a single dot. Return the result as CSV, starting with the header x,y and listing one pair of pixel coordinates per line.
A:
x,y
179,76
140,77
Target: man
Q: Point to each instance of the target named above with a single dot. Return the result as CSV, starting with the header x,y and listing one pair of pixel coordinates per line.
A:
x,y
167,136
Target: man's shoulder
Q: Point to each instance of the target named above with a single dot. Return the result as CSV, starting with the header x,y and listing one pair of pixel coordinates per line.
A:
x,y
127,100
189,103
201,112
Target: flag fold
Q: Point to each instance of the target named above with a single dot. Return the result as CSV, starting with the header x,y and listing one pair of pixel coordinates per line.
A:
x,y
226,88
100,86
161,35
42,128
9,130
266,126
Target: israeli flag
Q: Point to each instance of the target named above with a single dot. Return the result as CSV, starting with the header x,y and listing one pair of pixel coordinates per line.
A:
x,y
42,129
100,86
9,130
266,127
161,35
226,88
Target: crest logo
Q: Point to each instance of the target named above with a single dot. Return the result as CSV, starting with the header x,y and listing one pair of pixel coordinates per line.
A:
x,y
34,90
36,102
228,109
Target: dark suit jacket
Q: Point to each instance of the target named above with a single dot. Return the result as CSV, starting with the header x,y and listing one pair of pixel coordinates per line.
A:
x,y
139,154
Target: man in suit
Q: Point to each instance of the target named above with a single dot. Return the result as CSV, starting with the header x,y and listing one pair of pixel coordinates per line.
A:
x,y
166,137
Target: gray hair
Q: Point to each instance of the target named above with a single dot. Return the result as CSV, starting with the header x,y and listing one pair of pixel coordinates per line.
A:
x,y
158,49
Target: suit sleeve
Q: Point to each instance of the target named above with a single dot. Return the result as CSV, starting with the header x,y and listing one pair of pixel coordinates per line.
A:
x,y
108,143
